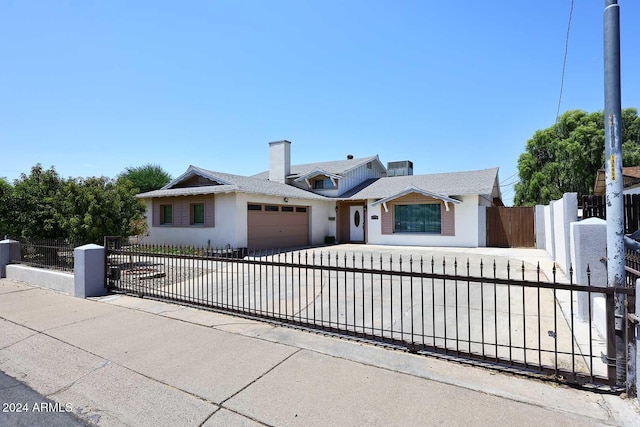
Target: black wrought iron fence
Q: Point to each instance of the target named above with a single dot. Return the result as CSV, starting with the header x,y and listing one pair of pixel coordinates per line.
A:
x,y
632,267
596,206
56,254
507,315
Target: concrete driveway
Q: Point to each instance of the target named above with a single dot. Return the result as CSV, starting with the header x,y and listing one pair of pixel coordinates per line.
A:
x,y
513,322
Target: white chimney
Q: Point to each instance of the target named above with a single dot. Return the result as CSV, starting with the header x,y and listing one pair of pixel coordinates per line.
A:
x,y
279,161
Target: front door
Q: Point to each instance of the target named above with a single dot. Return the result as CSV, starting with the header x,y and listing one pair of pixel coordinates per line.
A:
x,y
356,221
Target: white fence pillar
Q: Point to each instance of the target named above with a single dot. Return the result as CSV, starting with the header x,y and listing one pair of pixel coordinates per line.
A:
x,y
89,271
541,229
588,249
9,250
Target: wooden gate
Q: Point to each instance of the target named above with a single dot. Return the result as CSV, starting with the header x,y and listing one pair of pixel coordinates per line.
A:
x,y
511,227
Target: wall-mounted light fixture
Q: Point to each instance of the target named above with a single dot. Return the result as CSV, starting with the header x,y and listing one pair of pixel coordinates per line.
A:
x,y
286,200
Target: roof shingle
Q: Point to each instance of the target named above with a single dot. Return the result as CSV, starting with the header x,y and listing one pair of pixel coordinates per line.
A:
x,y
449,184
337,167
235,183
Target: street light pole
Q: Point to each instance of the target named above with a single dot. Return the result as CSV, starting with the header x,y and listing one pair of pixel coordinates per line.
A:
x,y
614,179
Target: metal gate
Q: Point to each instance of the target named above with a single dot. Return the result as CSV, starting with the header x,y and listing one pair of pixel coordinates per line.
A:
x,y
509,317
511,227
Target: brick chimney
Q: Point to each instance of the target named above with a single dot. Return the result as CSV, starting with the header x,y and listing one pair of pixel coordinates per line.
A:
x,y
279,161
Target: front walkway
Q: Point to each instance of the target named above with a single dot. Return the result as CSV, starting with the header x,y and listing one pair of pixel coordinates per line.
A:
x,y
127,361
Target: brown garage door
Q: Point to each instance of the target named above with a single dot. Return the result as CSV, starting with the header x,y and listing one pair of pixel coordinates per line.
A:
x,y
277,226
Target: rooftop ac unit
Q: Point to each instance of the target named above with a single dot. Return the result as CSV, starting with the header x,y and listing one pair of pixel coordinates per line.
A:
x,y
401,168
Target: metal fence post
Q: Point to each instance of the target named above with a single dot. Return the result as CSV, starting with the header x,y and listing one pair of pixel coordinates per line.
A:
x,y
633,336
610,357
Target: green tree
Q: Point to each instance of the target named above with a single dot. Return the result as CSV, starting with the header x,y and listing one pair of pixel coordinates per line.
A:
x,y
145,178
92,208
566,156
35,204
6,209
44,205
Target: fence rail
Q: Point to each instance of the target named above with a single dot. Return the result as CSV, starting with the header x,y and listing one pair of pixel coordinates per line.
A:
x,y
423,305
56,254
596,206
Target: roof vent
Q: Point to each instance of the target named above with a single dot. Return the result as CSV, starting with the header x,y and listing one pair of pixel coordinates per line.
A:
x,y
349,156
402,168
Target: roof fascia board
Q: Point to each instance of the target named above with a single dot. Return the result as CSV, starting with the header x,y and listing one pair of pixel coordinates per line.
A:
x,y
315,173
365,161
191,171
413,189
180,192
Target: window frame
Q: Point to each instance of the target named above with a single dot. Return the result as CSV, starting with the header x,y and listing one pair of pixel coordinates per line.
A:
x,y
192,214
163,215
427,226
327,184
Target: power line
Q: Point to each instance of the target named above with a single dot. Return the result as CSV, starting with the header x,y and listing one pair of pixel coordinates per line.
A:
x,y
510,183
564,61
511,176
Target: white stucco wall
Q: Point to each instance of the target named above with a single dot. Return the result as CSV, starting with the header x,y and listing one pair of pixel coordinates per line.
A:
x,y
467,233
549,239
588,246
541,236
230,222
565,211
279,160
224,232
485,200
482,226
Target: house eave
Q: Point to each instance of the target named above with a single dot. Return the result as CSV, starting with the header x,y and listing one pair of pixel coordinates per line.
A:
x,y
188,191
409,190
190,172
317,172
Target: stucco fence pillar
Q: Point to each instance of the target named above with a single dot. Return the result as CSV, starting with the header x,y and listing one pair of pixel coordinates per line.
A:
x,y
589,248
87,279
588,244
89,271
9,250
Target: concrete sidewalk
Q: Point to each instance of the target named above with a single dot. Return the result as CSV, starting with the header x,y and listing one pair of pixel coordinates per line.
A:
x,y
128,361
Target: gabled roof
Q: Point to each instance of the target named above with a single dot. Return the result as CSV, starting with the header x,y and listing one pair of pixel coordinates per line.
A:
x,y
228,183
196,171
414,189
317,172
444,184
336,167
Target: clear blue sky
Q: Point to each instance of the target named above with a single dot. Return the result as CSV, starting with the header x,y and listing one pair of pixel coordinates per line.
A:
x,y
92,87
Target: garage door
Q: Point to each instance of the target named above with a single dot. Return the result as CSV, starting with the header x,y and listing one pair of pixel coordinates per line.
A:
x,y
277,226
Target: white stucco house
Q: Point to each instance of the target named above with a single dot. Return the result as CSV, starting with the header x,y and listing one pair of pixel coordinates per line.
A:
x,y
353,200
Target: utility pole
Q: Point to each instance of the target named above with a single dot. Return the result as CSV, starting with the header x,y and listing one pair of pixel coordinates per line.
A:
x,y
614,179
